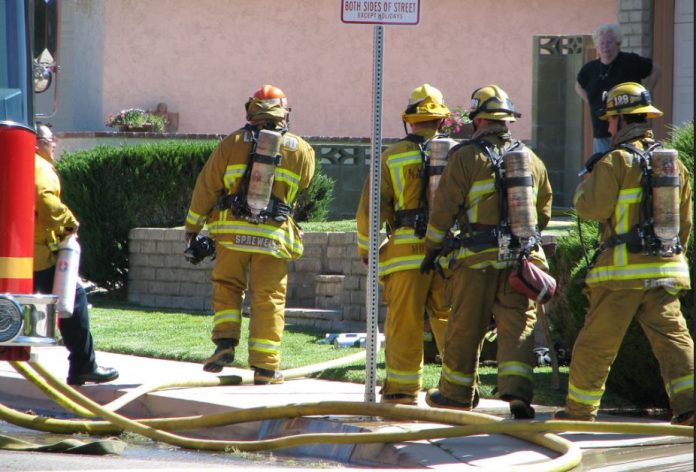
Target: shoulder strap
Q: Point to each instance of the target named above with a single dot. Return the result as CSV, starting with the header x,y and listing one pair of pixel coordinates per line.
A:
x,y
496,161
420,214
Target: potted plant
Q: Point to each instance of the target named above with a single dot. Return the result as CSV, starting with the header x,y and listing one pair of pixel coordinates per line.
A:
x,y
458,125
136,119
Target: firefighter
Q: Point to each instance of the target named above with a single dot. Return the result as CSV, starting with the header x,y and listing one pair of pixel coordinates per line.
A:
x,y
53,222
245,193
403,206
470,197
637,274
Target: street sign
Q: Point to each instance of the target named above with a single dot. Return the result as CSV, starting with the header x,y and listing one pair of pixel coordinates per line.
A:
x,y
403,12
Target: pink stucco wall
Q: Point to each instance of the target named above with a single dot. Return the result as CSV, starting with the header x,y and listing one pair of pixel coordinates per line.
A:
x,y
205,58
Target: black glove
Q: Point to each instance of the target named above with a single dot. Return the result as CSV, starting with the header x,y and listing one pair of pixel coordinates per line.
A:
x,y
428,263
200,248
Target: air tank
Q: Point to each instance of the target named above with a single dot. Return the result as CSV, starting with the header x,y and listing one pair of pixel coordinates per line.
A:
x,y
262,172
665,199
438,149
520,194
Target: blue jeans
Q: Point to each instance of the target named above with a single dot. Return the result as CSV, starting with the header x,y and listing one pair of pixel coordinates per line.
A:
x,y
601,145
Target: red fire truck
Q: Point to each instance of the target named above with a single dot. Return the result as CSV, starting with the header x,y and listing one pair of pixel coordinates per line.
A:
x,y
26,319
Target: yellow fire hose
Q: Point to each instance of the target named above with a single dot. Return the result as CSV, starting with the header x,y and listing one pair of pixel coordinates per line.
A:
x,y
465,423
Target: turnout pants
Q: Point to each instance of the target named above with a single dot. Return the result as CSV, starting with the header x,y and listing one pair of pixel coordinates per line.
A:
x,y
476,295
268,276
608,318
409,296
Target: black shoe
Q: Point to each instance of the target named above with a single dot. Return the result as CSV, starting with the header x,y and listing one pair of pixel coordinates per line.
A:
x,y
436,399
521,409
97,376
222,357
267,377
685,419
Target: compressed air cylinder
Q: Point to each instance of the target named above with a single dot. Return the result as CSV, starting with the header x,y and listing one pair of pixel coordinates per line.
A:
x,y
438,148
665,199
520,196
263,170
65,279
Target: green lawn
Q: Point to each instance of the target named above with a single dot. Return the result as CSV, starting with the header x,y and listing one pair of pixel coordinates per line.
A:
x,y
176,335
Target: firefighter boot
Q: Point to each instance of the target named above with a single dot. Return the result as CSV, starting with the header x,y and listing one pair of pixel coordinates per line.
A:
x,y
563,415
222,357
400,398
436,399
521,409
266,376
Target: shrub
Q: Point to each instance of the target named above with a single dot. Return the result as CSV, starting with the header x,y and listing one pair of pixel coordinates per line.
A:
x,y
114,189
566,311
313,203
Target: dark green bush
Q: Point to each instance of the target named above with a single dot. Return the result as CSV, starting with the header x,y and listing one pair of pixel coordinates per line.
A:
x,y
566,311
634,374
313,203
114,189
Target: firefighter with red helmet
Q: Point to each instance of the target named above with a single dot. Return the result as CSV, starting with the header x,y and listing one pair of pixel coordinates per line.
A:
x,y
245,194
54,222
471,196
403,206
642,195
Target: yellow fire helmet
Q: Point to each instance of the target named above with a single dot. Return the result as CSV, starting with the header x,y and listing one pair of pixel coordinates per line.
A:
x,y
269,103
425,104
628,98
492,103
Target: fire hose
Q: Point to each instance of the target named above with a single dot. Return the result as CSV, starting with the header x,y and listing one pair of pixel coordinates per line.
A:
x,y
456,423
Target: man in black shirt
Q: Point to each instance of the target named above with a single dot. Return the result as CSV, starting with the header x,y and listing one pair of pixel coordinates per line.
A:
x,y
612,68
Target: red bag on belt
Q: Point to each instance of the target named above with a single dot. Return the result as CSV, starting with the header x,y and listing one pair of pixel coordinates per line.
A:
x,y
532,282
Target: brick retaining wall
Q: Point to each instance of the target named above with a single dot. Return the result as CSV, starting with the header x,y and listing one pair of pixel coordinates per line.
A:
x,y
326,287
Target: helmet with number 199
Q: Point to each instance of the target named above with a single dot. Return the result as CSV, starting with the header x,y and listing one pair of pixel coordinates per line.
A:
x,y
628,98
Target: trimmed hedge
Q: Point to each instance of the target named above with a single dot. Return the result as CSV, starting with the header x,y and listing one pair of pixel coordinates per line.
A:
x,y
634,373
114,189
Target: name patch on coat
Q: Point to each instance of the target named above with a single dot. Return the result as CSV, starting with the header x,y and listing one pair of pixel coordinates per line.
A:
x,y
290,143
254,241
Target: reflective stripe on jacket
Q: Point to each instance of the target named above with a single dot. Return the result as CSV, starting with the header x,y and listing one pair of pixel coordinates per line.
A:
x,y
222,175
401,189
612,194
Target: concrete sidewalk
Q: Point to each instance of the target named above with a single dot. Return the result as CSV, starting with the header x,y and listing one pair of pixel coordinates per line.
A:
x,y
473,452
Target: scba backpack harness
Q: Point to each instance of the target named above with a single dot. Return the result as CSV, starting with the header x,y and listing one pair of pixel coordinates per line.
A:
x,y
254,201
433,153
657,230
516,233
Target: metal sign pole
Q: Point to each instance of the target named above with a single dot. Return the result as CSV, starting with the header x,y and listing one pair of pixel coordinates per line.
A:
x,y
372,292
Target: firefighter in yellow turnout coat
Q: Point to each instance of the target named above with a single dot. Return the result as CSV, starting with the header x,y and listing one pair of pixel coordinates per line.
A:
x,y
479,285
625,281
408,293
247,242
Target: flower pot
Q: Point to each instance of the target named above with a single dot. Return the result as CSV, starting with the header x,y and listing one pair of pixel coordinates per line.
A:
x,y
147,127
